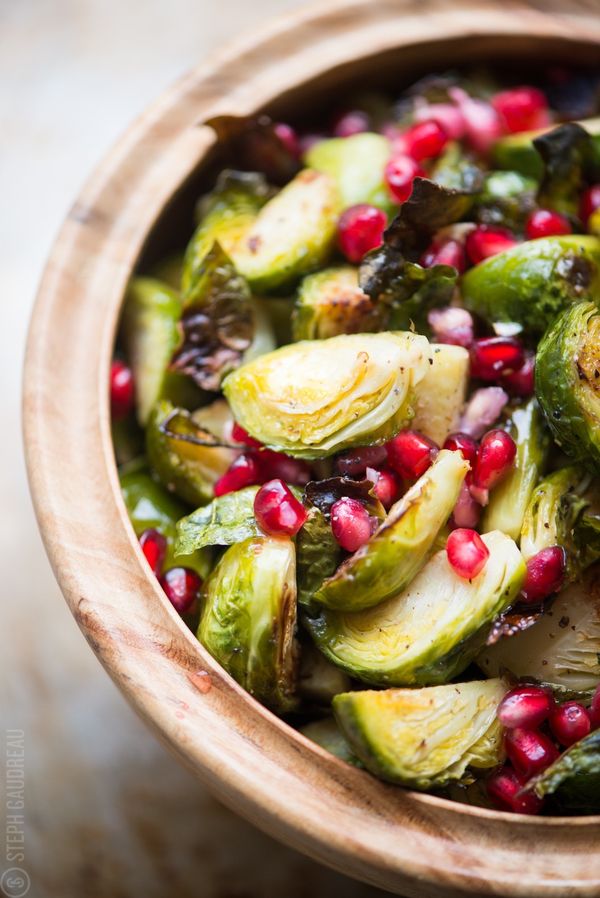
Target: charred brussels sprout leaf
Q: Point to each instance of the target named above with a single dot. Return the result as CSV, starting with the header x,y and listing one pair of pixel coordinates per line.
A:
x,y
226,520
328,735
440,396
248,619
330,302
517,151
314,398
430,632
534,282
392,557
567,378
317,555
506,199
424,738
323,493
253,143
567,156
573,781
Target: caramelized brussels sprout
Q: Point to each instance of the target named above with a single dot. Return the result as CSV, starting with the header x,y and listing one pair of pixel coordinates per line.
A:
x,y
314,398
424,738
517,151
510,499
562,650
573,781
357,164
535,281
327,734
567,382
331,303
430,632
440,396
248,618
392,557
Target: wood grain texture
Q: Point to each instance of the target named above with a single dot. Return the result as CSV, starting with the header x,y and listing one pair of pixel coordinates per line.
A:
x,y
398,840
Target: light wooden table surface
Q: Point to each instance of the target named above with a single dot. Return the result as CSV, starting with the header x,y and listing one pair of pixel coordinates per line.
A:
x,y
109,814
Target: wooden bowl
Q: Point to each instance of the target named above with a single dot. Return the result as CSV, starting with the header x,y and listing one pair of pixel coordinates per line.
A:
x,y
402,841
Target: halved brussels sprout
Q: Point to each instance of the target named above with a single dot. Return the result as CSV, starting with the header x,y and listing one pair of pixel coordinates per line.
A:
x,y
330,302
562,650
357,164
248,619
535,281
292,234
392,557
182,465
430,632
314,398
441,394
510,499
567,382
573,781
424,738
327,734
319,680
517,152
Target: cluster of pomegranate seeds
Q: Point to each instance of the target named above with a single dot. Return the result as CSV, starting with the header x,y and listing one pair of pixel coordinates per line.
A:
x,y
356,461
121,390
525,706
277,511
569,723
521,381
504,788
589,203
400,172
492,357
360,229
181,587
386,486
351,523
529,750
451,325
462,442
447,252
154,547
545,574
425,140
410,454
546,223
522,109
495,458
289,138
485,241
243,471
467,552
354,121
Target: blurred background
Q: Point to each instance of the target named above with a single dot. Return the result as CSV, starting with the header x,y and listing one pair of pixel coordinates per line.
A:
x,y
109,814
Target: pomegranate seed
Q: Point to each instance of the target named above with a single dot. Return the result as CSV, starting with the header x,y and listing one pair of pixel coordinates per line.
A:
x,y
483,125
521,381
154,547
410,453
589,203
485,241
355,121
546,223
448,252
425,140
278,465
239,435
121,390
451,325
288,137
360,229
277,511
400,172
467,511
483,409
595,709
522,109
493,356
448,116
351,523
467,553
387,487
495,458
243,471
545,574
525,706
570,723
504,788
462,442
530,750
358,460
181,586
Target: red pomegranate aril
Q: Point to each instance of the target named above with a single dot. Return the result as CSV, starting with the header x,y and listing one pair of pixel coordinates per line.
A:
x,y
495,458
462,442
387,487
121,390
451,325
493,356
154,547
410,453
289,138
521,381
522,109
529,750
595,709
467,553
525,706
482,123
278,465
355,121
504,787
449,252
360,229
485,241
447,115
589,203
467,511
358,460
569,723
546,223
277,511
351,523
243,471
482,410
545,574
239,435
400,172
181,586
425,140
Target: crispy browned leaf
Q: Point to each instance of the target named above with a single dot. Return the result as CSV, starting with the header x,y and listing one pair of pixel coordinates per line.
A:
x,y
323,493
251,142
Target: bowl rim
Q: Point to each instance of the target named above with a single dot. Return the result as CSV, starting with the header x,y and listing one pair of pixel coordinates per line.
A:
x,y
135,631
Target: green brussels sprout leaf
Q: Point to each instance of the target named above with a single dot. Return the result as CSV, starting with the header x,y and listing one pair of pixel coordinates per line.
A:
x,y
317,554
226,520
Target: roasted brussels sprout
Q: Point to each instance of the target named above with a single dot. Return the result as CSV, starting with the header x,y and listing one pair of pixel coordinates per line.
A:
x,y
441,394
517,151
573,781
314,398
181,461
392,557
507,199
248,618
319,680
331,303
535,281
567,379
424,738
327,734
292,234
562,650
430,632
510,499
